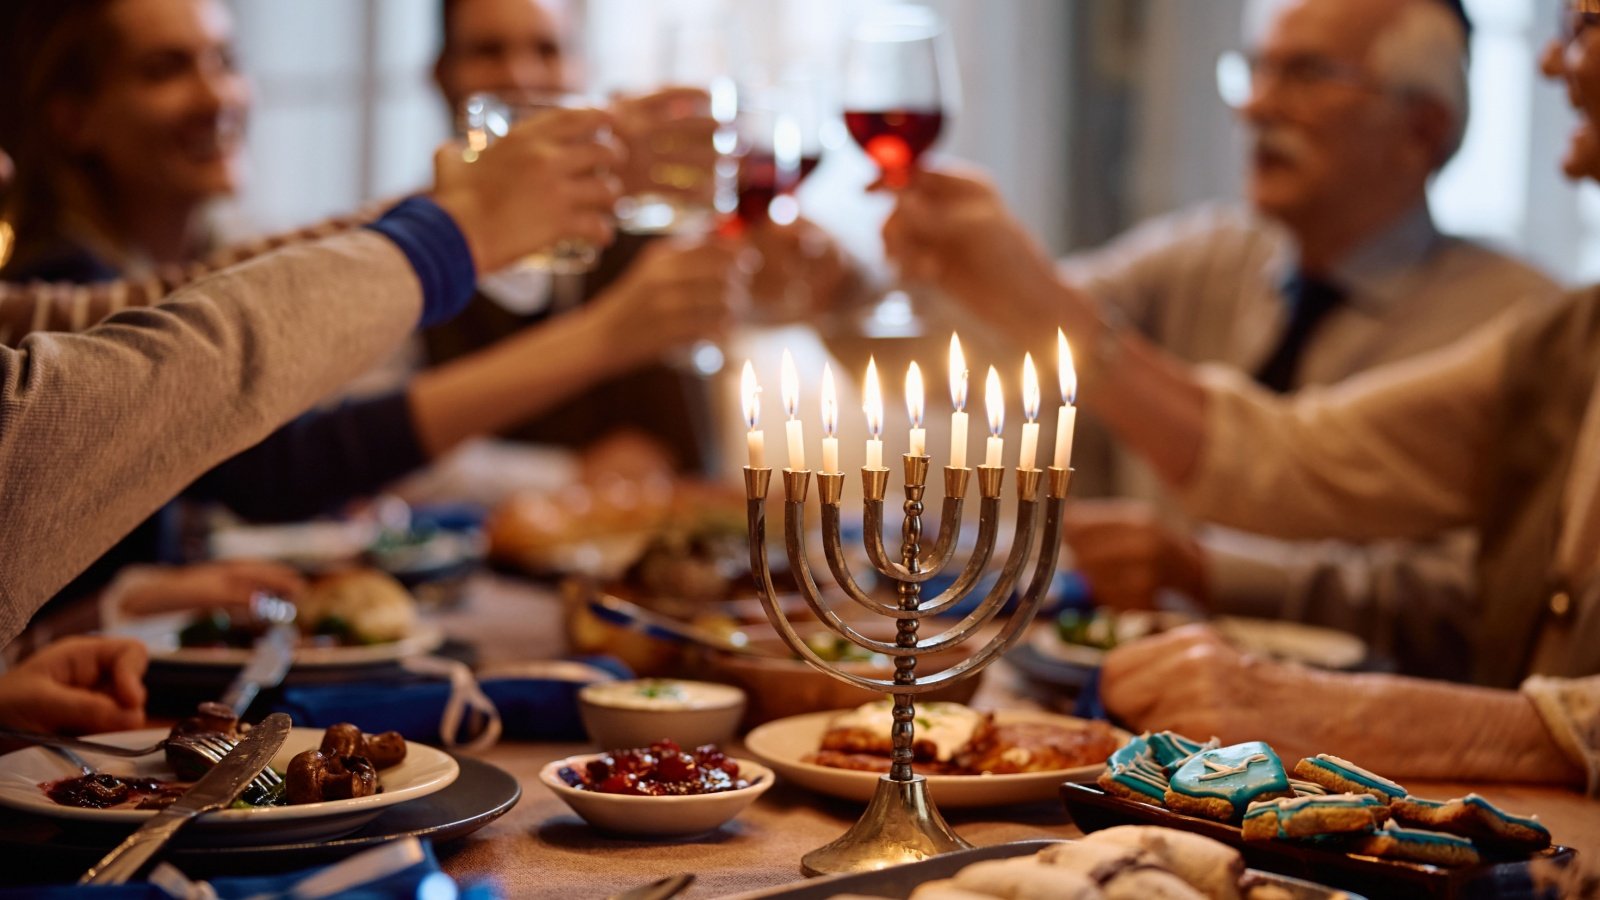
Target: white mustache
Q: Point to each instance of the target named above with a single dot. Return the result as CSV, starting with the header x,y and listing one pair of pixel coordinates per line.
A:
x,y
1291,145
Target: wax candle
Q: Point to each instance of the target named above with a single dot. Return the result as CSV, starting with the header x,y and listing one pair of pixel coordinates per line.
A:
x,y
915,396
1030,409
750,393
830,422
958,399
996,406
1068,419
791,406
872,405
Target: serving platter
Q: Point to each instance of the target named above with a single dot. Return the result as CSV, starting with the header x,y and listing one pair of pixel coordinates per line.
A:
x,y
1512,878
160,634
424,771
899,881
783,745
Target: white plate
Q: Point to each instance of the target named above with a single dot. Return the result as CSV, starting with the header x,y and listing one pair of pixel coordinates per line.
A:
x,y
1313,645
423,772
783,744
160,634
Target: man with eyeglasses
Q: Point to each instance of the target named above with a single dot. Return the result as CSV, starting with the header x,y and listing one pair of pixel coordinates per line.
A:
x,y
1335,267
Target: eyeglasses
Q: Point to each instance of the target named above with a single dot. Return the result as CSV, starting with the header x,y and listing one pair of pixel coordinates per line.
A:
x,y
1239,75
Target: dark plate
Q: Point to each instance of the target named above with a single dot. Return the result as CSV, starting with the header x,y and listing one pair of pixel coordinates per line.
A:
x,y
39,849
900,881
1093,809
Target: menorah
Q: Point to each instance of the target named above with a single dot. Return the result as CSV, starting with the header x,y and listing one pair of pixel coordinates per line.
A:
x,y
902,824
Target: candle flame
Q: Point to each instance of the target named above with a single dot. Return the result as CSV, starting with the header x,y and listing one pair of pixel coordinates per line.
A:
x,y
958,374
830,403
914,395
1067,371
995,402
872,399
750,393
789,381
1030,388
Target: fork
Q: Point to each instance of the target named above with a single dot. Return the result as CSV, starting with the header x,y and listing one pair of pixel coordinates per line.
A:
x,y
212,747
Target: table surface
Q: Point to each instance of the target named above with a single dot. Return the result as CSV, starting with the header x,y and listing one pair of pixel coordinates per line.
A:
x,y
542,849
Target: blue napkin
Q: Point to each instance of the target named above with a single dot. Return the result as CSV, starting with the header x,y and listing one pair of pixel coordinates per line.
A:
x,y
420,879
532,706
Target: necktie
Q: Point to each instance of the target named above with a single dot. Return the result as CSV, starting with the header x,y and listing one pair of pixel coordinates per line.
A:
x,y
1310,300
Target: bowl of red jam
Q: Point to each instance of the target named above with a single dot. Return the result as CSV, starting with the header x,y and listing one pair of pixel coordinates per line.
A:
x,y
662,790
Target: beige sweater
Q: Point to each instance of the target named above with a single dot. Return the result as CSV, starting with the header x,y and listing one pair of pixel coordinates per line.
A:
x,y
99,429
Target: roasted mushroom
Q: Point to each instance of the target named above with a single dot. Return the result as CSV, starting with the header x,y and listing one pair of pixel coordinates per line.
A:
x,y
384,750
315,776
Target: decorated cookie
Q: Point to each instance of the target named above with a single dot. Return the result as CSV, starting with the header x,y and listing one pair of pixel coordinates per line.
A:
x,y
1476,818
1310,816
1132,773
1307,788
1219,784
1172,749
1394,841
1340,776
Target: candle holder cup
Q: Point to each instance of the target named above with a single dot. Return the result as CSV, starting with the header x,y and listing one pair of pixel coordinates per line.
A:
x,y
902,824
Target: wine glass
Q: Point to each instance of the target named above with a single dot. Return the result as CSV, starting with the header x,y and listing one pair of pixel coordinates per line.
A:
x,y
899,86
487,117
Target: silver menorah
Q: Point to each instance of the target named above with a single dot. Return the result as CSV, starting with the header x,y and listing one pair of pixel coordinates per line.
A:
x,y
902,824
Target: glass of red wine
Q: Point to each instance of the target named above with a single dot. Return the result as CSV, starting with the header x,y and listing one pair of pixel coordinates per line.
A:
x,y
900,85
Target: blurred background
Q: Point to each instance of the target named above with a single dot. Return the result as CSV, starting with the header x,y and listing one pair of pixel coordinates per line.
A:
x,y
1092,114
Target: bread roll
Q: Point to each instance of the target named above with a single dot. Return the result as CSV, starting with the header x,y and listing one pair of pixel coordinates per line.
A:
x,y
1211,867
1027,879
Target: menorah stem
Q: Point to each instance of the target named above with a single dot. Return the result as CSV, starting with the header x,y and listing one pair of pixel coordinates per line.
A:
x,y
910,596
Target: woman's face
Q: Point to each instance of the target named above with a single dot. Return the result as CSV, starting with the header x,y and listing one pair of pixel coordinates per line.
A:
x,y
166,123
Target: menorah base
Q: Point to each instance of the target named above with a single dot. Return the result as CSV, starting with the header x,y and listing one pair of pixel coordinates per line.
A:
x,y
901,825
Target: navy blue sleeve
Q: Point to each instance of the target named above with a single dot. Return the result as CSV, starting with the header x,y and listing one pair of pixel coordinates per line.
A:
x,y
437,250
318,462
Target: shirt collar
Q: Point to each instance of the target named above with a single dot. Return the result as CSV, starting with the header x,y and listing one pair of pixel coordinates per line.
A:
x,y
1379,272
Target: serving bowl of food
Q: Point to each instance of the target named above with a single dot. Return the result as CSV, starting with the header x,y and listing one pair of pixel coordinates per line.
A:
x,y
641,712
657,791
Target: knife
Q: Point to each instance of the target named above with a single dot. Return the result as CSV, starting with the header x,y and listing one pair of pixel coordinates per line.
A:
x,y
215,790
270,656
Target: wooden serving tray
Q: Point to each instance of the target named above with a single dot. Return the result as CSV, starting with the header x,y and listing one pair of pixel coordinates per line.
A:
x,y
1513,878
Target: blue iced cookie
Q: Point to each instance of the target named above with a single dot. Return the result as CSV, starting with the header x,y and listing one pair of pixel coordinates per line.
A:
x,y
1341,776
1474,817
1132,773
1417,845
1219,784
1172,750
1313,816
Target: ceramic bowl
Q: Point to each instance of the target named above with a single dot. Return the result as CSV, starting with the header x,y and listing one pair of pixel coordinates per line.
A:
x,y
639,713
656,817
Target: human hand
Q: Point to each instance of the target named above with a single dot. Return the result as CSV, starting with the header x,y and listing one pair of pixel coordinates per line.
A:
x,y
1127,555
77,685
548,180
626,455
1190,681
802,272
223,584
668,138
674,294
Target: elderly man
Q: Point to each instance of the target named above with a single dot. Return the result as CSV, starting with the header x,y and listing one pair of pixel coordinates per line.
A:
x,y
1500,431
1336,267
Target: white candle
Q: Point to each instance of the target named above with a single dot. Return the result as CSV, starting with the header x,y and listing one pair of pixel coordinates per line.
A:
x,y
830,422
1030,409
750,393
996,406
790,382
915,396
1067,421
872,405
958,398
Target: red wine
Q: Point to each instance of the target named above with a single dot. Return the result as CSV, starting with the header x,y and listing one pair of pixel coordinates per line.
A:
x,y
894,138
761,181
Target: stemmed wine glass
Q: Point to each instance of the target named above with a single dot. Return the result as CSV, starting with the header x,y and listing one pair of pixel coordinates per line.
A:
x,y
900,85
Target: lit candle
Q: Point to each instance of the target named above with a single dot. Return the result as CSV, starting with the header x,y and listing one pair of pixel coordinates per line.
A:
x,y
1030,409
830,422
1068,420
914,400
958,397
790,383
996,406
872,405
750,392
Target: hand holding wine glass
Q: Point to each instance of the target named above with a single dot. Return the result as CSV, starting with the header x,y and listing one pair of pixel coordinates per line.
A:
x,y
899,86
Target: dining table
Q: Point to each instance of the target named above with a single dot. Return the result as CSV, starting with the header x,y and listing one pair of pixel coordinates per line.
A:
x,y
540,848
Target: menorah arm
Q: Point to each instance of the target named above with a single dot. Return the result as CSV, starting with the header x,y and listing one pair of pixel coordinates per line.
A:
x,y
988,529
833,549
794,531
1043,572
1016,561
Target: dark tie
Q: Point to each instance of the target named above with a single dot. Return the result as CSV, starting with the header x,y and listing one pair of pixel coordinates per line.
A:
x,y
1310,300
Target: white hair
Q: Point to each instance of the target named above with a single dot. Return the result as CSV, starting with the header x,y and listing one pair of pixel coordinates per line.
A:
x,y
1423,52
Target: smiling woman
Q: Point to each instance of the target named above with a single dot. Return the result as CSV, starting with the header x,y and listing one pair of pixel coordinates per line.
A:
x,y
143,120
